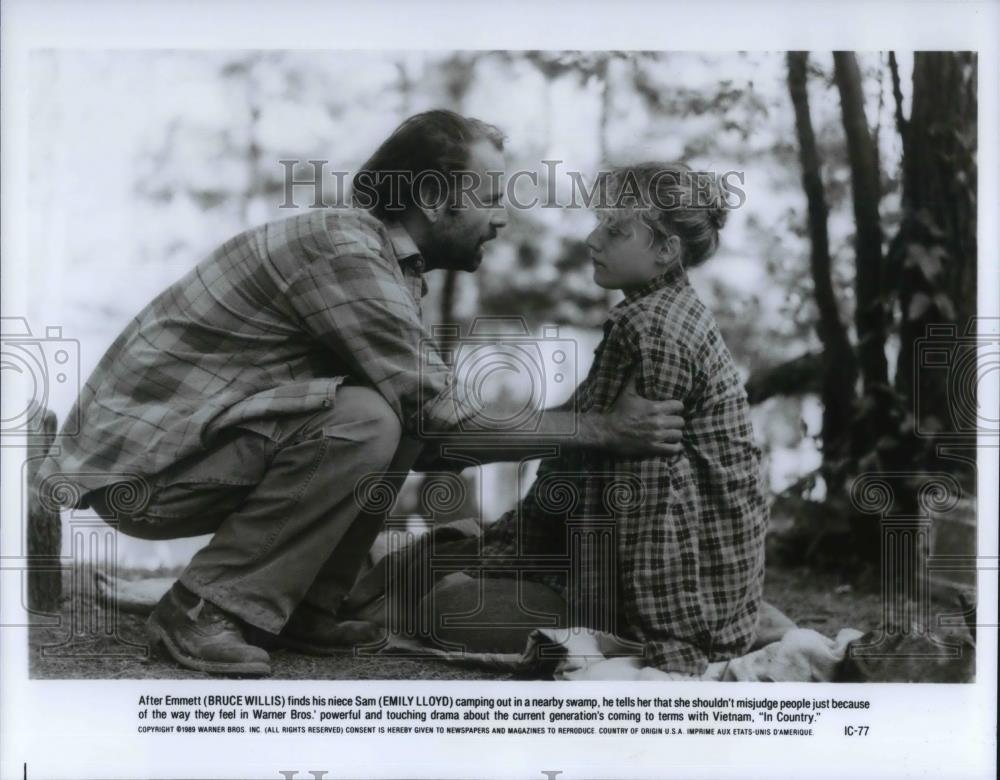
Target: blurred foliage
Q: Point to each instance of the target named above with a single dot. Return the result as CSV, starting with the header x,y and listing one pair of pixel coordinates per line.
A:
x,y
196,139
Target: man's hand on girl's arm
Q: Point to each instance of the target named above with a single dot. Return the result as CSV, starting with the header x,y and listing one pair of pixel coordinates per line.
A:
x,y
638,427
634,427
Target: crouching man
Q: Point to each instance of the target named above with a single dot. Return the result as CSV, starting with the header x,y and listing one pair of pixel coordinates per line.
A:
x,y
249,398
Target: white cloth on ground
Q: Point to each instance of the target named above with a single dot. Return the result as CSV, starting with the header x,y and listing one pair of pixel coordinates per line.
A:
x,y
800,655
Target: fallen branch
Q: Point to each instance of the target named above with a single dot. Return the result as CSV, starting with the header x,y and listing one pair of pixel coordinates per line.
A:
x,y
797,376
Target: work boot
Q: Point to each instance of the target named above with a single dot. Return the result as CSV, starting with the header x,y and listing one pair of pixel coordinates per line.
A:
x,y
200,636
318,632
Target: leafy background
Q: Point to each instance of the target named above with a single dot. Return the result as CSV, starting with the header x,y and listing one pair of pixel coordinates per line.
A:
x,y
143,162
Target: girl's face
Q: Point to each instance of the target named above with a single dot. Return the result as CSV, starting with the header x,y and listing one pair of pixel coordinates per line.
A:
x,y
624,254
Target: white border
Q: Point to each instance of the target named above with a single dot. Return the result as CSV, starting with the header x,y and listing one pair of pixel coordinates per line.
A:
x,y
83,729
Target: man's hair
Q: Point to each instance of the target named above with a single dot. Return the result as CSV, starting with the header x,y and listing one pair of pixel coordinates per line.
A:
x,y
426,150
670,199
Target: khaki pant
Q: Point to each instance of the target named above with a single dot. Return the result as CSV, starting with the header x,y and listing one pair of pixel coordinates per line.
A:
x,y
286,523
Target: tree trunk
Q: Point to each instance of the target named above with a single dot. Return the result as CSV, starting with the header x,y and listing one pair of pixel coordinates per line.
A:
x,y
448,293
839,370
870,313
935,251
44,531
253,153
458,72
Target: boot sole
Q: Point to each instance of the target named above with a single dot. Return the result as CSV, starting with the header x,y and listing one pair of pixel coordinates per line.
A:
x,y
157,633
311,648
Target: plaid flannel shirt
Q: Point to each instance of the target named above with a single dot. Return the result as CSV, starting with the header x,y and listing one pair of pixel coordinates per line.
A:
x,y
270,323
667,551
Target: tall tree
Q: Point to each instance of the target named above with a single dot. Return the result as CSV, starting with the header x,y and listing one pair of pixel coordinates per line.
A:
x,y
870,305
934,252
839,369
244,74
458,71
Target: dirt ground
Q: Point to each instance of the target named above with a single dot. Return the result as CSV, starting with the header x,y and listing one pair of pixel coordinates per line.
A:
x,y
89,643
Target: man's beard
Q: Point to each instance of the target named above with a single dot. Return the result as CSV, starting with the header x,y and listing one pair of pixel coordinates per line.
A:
x,y
473,259
459,258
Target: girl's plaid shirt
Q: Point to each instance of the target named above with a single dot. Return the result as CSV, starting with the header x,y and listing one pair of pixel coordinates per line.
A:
x,y
668,551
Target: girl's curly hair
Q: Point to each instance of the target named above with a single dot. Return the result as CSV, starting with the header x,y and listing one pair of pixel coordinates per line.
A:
x,y
671,199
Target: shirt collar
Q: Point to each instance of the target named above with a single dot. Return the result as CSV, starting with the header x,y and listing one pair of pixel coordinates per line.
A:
x,y
407,254
402,244
674,275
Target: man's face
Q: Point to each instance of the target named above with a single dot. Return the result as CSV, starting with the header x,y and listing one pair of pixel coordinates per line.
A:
x,y
475,214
